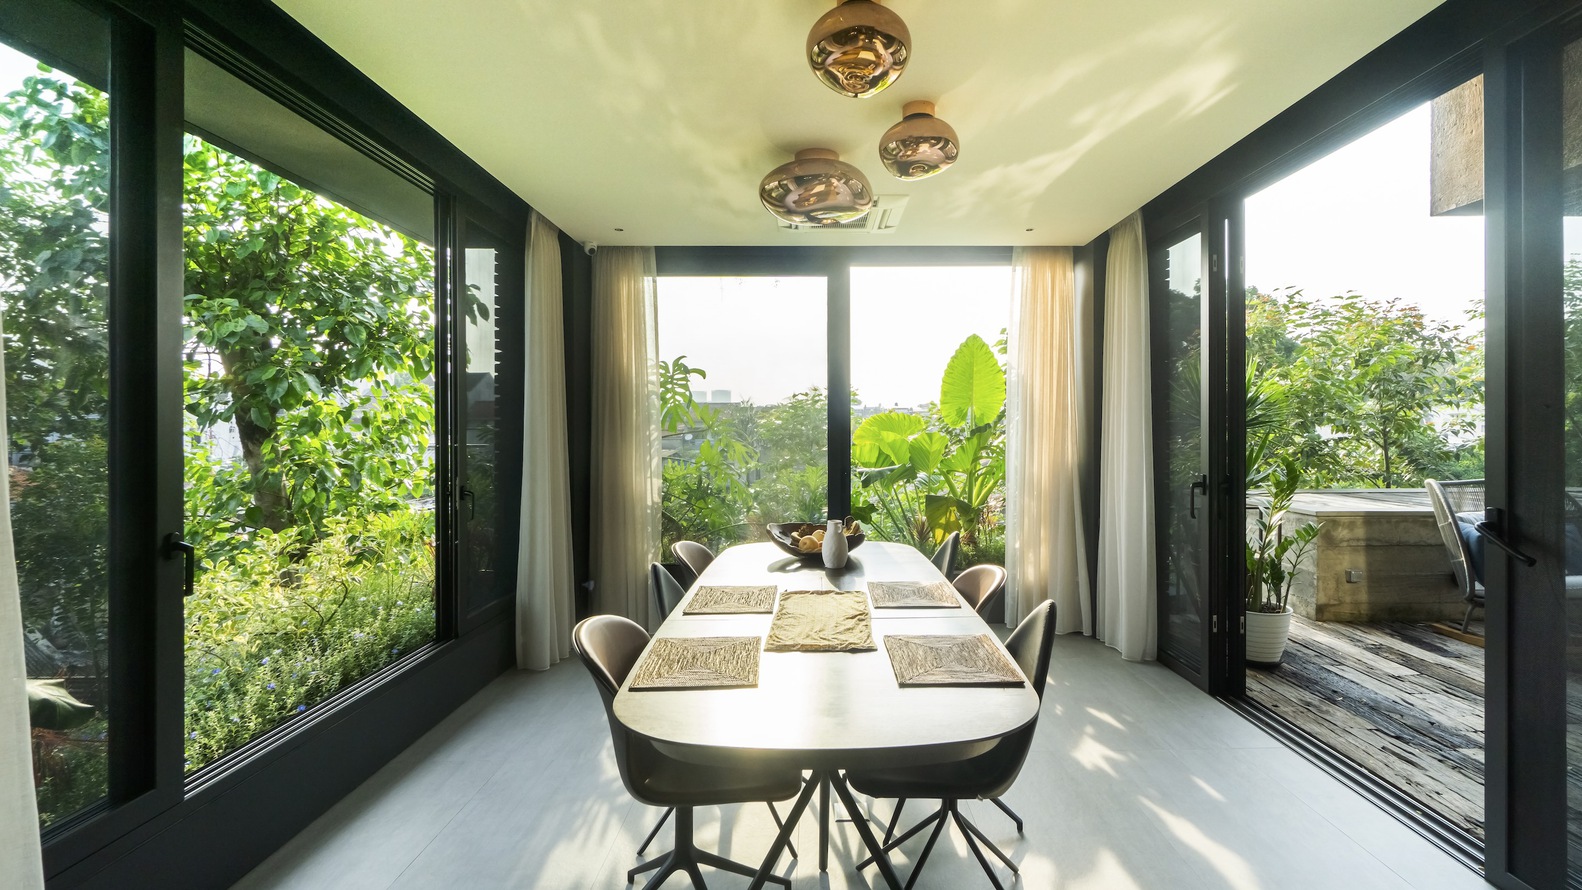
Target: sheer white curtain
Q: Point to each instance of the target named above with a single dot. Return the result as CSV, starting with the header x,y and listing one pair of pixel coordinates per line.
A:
x,y
1045,424
545,601
21,865
625,510
1128,620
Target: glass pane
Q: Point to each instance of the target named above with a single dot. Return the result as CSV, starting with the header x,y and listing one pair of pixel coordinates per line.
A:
x,y
479,501
1364,315
912,328
1181,633
1572,418
745,418
309,444
54,278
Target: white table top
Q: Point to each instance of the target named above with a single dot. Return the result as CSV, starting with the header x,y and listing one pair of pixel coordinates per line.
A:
x,y
822,710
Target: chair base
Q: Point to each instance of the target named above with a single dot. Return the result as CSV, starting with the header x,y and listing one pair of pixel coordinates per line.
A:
x,y
686,857
969,832
654,832
895,818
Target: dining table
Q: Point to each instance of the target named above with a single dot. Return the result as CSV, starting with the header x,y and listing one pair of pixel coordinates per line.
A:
x,y
825,711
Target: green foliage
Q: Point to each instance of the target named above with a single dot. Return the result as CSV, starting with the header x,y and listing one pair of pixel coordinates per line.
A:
x,y
320,327
1373,394
1573,375
272,632
1273,553
922,478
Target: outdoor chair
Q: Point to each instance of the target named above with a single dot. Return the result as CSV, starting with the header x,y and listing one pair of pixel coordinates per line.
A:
x,y
1458,508
944,558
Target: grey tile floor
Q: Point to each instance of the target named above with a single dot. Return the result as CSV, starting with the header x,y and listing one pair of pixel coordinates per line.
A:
x,y
1136,780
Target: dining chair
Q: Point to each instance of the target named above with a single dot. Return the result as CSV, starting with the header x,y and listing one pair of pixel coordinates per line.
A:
x,y
944,558
983,777
609,647
981,587
668,592
696,556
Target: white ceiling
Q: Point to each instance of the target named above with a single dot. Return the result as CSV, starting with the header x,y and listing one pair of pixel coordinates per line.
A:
x,y
659,117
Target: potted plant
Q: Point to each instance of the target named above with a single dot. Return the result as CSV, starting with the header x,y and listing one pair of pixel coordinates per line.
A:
x,y
1273,557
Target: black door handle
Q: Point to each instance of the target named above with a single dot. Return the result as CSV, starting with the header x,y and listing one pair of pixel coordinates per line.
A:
x,y
1198,484
189,554
472,502
1490,529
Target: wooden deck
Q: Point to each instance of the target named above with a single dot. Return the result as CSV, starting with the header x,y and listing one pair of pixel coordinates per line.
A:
x,y
1394,697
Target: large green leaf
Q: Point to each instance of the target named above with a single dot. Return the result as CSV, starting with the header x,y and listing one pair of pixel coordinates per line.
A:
x,y
973,389
882,440
926,451
51,706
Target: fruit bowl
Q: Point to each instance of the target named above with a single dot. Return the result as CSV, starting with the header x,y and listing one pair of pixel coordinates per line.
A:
x,y
781,532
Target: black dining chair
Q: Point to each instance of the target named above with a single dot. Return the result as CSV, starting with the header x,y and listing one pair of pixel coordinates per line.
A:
x,y
696,556
668,592
667,597
609,647
983,777
944,558
981,587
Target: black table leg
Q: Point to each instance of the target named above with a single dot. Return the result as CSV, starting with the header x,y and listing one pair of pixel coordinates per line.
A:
x,y
784,837
875,849
823,823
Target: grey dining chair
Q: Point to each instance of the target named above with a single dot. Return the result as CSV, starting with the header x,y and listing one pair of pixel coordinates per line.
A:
x,y
981,587
668,592
983,777
944,558
609,647
696,556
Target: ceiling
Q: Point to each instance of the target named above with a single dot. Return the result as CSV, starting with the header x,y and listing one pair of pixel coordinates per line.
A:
x,y
659,117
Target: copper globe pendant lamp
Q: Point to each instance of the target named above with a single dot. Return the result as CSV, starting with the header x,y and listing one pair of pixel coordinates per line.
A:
x,y
920,146
816,189
858,48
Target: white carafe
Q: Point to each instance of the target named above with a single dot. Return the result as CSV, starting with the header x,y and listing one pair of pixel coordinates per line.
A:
x,y
835,545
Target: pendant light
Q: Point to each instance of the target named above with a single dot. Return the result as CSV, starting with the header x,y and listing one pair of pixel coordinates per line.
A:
x,y
816,189
920,146
858,48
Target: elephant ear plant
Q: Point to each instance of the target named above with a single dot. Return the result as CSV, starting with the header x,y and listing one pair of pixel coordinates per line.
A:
x,y
1273,554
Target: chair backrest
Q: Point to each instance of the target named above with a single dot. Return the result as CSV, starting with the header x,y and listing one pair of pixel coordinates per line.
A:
x,y
609,646
668,592
1029,644
981,587
944,558
695,555
1448,499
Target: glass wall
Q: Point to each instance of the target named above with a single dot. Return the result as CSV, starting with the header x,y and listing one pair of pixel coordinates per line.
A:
x,y
745,418
54,284
928,351
1571,418
310,425
480,505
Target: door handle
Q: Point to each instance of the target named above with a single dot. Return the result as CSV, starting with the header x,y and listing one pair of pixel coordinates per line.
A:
x,y
1198,484
472,502
1490,528
189,554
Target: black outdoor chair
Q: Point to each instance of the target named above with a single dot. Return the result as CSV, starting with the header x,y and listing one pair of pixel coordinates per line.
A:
x,y
944,558
1458,507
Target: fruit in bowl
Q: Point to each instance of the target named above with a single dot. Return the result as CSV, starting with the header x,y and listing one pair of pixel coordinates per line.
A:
x,y
806,539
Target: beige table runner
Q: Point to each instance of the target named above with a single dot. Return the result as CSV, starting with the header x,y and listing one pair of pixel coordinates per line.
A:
x,y
699,663
938,660
821,621
913,595
732,600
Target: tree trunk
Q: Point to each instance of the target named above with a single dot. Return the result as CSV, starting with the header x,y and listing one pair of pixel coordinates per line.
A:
x,y
268,495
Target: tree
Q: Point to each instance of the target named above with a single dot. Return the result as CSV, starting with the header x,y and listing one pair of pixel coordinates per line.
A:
x,y
1374,394
319,328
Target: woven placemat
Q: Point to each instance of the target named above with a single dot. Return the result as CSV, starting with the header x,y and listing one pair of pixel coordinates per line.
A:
x,y
699,663
913,595
731,600
821,621
936,660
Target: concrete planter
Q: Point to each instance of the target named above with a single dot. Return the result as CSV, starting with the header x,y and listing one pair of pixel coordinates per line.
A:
x,y
1267,633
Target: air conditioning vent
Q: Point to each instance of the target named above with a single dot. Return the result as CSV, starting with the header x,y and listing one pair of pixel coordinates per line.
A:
x,y
881,220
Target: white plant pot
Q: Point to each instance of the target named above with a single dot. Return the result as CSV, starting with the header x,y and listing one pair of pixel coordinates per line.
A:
x,y
1267,633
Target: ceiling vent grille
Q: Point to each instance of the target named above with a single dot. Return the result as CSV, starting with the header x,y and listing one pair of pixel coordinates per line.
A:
x,y
881,220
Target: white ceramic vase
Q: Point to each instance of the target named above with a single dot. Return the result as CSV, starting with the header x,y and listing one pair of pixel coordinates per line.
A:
x,y
1267,633
835,545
